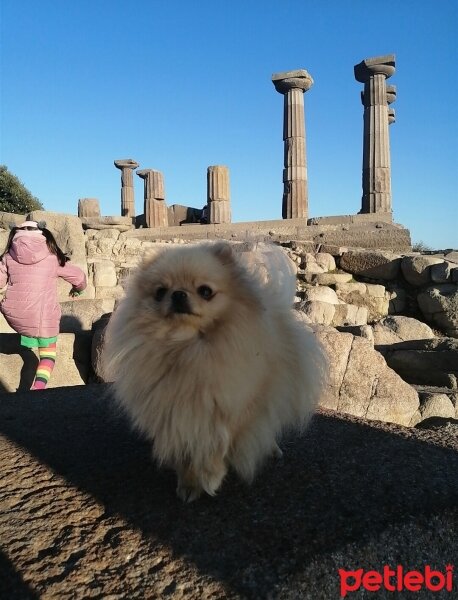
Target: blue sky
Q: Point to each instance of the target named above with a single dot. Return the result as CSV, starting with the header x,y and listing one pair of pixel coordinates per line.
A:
x,y
181,85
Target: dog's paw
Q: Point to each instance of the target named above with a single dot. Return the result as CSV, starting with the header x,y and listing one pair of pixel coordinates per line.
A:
x,y
188,493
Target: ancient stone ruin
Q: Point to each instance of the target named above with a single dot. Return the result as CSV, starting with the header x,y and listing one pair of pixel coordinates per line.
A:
x,y
127,186
374,72
384,312
292,85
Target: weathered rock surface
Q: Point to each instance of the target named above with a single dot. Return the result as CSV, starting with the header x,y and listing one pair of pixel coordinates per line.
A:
x,y
85,514
369,296
372,264
417,269
433,405
80,315
396,328
439,305
18,364
362,384
427,362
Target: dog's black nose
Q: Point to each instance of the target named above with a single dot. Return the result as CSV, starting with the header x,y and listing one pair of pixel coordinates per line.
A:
x,y
180,303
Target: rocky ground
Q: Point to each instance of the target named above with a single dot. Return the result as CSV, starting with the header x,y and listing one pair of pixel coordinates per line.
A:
x,y
85,514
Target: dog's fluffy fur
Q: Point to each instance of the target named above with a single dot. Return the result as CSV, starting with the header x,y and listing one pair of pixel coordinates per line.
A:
x,y
209,360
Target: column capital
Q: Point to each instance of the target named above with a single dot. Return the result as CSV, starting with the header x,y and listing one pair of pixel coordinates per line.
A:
x,y
290,80
126,163
143,173
390,94
379,65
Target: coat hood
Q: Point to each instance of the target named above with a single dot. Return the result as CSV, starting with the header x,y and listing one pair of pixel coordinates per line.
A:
x,y
29,247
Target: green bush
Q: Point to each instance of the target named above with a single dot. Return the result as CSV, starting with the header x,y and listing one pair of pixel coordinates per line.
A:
x,y
14,196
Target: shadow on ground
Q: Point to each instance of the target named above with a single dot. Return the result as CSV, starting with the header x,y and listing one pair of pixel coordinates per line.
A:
x,y
342,483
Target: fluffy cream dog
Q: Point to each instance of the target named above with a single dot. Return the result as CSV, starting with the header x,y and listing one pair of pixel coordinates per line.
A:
x,y
209,360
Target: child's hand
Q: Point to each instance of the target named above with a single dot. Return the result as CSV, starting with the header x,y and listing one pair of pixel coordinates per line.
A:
x,y
73,293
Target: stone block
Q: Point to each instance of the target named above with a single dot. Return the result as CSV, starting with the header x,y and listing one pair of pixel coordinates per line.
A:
x,y
372,264
397,299
434,405
8,219
104,274
362,384
82,314
349,314
88,207
441,272
417,269
376,291
395,329
115,293
439,305
325,260
18,364
331,278
320,313
321,294
111,222
425,362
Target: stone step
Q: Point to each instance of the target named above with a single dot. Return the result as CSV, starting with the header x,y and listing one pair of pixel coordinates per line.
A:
x,y
18,364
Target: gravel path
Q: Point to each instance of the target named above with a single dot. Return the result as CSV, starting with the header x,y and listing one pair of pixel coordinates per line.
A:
x,y
84,513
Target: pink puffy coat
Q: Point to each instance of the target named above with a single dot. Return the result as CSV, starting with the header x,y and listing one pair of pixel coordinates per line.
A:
x,y
31,306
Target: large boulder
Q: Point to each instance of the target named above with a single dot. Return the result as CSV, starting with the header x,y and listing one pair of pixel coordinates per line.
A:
x,y
434,405
70,238
362,384
394,329
372,264
18,364
425,362
439,305
417,269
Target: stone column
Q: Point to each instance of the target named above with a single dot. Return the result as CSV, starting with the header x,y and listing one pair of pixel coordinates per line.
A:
x,y
88,207
127,186
155,209
218,195
292,85
374,72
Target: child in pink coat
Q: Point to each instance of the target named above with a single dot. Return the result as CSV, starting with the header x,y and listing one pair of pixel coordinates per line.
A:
x,y
30,267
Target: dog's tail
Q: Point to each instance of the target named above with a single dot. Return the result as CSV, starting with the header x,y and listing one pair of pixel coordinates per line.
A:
x,y
275,271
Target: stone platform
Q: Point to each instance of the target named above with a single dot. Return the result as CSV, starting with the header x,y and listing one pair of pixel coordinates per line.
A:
x,y
365,231
85,514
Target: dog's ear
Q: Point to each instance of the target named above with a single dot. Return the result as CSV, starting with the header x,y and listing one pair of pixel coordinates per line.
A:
x,y
223,252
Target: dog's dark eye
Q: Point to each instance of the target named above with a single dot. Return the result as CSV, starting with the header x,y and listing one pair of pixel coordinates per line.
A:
x,y
160,293
205,292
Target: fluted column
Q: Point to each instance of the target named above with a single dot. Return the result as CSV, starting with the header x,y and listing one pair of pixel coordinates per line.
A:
x,y
155,208
293,84
127,186
218,194
373,72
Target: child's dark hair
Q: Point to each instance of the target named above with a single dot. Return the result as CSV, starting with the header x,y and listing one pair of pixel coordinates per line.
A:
x,y
50,242
53,247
